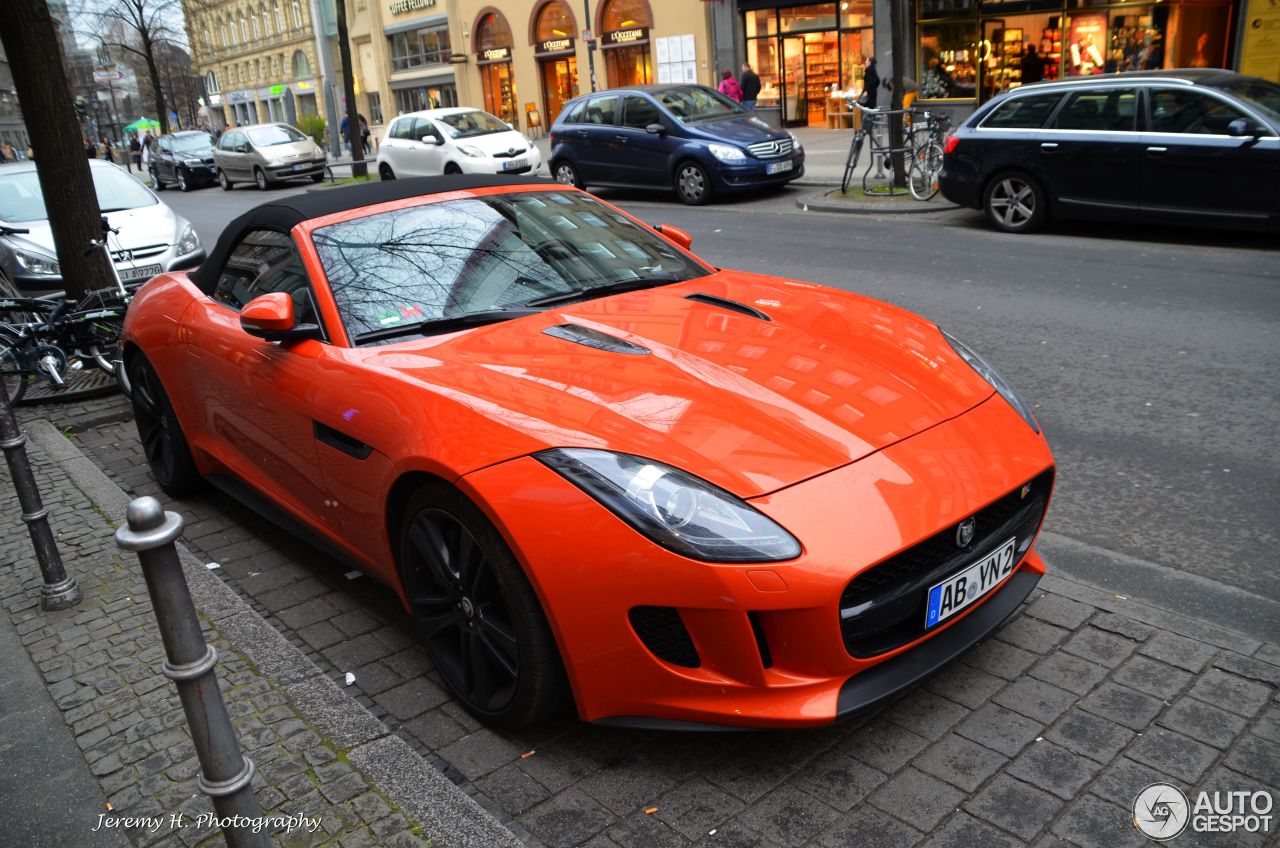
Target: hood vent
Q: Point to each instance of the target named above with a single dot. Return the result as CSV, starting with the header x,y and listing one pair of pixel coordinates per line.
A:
x,y
595,339
726,303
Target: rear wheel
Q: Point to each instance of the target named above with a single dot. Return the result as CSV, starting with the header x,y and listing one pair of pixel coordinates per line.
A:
x,y
14,376
1014,203
162,441
223,181
385,172
260,179
476,611
566,174
926,165
850,163
693,186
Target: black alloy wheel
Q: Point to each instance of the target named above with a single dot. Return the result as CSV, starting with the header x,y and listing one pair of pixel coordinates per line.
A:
x,y
163,443
693,186
223,181
385,172
476,611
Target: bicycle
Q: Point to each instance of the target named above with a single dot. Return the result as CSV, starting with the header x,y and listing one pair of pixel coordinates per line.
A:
x,y
926,154
855,145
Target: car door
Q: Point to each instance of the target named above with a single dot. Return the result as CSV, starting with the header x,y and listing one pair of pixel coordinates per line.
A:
x,y
164,159
642,157
1091,151
232,157
255,395
596,142
1192,165
430,155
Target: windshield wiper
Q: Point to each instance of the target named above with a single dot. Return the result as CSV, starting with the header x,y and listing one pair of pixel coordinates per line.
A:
x,y
448,324
615,287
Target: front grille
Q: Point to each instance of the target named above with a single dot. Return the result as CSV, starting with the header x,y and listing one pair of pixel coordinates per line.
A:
x,y
138,252
664,634
771,149
522,170
510,154
884,607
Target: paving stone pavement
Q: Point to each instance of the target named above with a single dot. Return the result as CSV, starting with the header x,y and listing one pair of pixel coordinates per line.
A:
x,y
1041,736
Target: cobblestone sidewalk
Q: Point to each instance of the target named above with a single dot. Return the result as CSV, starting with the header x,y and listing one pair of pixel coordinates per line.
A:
x,y
101,662
1041,736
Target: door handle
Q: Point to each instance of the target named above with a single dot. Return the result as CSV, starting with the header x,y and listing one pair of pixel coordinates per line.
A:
x,y
620,138
1156,151
1048,145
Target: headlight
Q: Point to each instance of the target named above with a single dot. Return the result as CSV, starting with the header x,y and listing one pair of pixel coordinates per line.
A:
x,y
468,150
727,152
37,264
677,510
795,142
992,376
192,163
189,242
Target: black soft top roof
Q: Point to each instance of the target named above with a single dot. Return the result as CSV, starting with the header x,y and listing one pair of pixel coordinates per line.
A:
x,y
285,213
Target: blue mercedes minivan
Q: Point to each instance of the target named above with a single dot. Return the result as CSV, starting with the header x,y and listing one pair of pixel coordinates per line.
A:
x,y
687,137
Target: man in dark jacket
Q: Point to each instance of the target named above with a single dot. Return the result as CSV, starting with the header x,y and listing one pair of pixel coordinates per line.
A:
x,y
750,83
1032,66
870,84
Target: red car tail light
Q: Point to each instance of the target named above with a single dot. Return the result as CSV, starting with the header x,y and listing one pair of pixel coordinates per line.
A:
x,y
951,143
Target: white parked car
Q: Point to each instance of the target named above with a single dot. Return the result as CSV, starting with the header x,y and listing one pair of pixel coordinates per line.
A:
x,y
152,239
454,141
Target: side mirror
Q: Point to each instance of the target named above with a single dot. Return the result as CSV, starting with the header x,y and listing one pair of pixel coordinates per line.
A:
x,y
433,140
656,129
676,234
1242,127
271,317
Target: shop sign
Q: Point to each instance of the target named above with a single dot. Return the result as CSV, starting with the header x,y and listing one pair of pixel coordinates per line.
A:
x,y
305,85
399,7
619,37
494,54
554,45
240,97
278,89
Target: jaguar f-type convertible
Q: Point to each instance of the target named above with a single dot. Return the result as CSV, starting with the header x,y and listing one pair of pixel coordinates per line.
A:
x,y
596,470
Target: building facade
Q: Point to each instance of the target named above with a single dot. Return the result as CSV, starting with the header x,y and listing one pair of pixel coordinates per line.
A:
x,y
257,59
13,129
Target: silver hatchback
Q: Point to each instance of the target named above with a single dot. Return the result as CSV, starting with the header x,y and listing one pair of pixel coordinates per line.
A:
x,y
266,153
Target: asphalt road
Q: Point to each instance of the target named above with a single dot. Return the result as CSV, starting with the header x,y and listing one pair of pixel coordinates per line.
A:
x,y
1149,355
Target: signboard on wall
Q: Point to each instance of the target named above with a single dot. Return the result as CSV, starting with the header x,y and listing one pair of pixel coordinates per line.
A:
x,y
399,7
622,37
677,59
1260,45
553,45
494,54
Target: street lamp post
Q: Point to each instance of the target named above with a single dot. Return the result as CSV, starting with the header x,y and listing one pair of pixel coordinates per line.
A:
x,y
591,53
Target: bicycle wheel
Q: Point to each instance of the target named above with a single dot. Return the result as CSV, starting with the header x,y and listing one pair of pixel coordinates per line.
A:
x,y
104,347
855,150
14,374
926,165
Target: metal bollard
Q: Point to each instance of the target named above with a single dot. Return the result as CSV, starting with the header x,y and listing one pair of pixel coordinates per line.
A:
x,y
226,774
60,591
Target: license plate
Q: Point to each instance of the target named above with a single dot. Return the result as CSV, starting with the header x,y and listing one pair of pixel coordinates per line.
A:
x,y
955,593
513,164
213,171
144,272
779,167
296,168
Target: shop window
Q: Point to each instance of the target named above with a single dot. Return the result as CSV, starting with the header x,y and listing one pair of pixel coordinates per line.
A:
x,y
949,53
761,22
1023,113
555,21
639,112
1110,110
855,13
801,18
625,14
419,47
1176,111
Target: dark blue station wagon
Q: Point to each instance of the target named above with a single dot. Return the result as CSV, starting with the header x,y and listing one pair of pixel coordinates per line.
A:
x,y
688,137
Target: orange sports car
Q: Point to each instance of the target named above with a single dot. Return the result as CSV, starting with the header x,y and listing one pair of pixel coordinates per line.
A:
x,y
595,469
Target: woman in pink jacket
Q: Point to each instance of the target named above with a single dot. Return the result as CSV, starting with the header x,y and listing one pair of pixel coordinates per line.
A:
x,y
729,86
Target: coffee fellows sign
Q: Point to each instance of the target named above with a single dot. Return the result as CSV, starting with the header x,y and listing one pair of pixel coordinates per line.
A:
x,y
554,45
399,7
623,37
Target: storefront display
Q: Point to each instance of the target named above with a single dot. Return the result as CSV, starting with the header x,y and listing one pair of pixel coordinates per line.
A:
x,y
557,56
624,39
493,57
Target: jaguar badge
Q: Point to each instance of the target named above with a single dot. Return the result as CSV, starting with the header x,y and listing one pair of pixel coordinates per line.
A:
x,y
964,532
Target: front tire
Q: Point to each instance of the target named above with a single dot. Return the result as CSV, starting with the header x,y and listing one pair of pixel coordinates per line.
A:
x,y
692,184
452,168
223,181
183,185
566,174
476,612
926,165
260,179
156,182
385,172
162,440
1015,203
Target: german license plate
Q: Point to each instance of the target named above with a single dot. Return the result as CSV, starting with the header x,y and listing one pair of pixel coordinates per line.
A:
x,y
142,272
779,167
213,172
297,167
514,164
955,593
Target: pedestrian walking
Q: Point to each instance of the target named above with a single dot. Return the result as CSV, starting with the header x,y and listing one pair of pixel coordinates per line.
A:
x,y
106,149
870,84
750,83
1032,66
145,158
135,151
729,86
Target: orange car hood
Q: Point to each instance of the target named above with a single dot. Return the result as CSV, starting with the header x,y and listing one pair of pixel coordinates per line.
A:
x,y
751,405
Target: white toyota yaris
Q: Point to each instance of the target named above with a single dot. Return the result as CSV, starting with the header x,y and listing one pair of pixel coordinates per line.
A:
x,y
458,140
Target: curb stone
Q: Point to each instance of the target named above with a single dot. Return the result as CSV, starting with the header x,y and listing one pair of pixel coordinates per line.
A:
x,y
819,202
449,816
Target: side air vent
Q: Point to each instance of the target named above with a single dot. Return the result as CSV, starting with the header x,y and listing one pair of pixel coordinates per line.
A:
x,y
726,303
664,634
593,338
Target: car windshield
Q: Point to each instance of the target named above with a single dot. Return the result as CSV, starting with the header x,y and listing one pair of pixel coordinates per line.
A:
x,y
274,134
1260,94
696,103
468,124
191,143
21,199
475,255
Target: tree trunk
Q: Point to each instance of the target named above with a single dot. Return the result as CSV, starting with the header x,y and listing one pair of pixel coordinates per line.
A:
x,y
153,71
349,91
898,46
30,41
